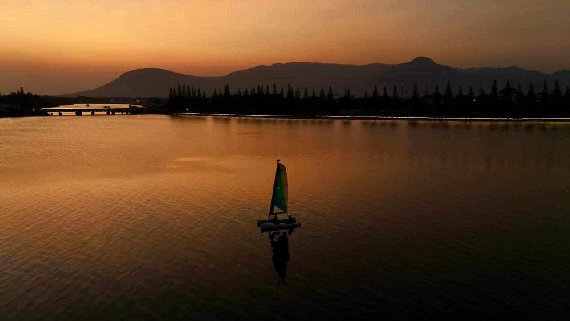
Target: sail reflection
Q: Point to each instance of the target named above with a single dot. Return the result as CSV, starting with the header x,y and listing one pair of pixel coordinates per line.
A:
x,y
280,246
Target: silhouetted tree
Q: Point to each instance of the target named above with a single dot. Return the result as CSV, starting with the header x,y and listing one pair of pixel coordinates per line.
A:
x,y
415,94
530,92
436,99
330,95
416,102
347,99
447,100
375,94
448,92
482,101
545,99
290,93
507,94
436,95
556,92
395,93
557,97
520,101
470,94
494,90
530,99
567,100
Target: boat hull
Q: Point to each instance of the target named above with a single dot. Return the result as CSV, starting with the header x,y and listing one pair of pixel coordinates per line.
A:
x,y
287,220
267,227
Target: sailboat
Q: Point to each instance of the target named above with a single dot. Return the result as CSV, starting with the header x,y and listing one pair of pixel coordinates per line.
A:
x,y
279,204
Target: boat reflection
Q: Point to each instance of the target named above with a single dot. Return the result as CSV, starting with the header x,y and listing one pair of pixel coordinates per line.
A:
x,y
279,241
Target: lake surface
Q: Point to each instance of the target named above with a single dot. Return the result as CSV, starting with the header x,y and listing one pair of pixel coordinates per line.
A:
x,y
153,217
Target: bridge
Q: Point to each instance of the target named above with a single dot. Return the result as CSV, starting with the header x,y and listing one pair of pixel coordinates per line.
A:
x,y
79,109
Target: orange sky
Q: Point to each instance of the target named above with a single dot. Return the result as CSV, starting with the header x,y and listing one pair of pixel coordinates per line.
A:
x,y
57,46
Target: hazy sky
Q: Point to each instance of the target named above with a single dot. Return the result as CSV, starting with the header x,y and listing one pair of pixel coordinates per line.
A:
x,y
58,46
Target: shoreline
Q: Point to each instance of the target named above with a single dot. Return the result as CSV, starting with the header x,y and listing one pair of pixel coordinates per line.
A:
x,y
332,117
406,118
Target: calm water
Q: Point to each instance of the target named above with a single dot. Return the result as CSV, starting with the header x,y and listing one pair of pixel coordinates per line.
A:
x,y
153,217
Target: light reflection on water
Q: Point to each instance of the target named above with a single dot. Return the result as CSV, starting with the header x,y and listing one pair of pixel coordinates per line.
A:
x,y
154,217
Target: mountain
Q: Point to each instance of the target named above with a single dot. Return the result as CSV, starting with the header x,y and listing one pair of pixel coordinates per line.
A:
x,y
422,71
147,82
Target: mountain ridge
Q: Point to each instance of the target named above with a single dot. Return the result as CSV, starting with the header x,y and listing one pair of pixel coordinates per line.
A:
x,y
421,71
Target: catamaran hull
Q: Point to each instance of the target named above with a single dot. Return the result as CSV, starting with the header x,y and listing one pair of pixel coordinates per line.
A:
x,y
287,220
267,227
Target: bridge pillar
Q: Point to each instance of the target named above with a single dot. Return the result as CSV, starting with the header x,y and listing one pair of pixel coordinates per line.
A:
x,y
92,112
60,113
78,113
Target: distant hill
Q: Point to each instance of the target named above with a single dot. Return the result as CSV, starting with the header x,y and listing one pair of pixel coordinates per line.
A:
x,y
423,71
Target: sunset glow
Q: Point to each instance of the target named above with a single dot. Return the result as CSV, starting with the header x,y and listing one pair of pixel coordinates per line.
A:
x,y
45,44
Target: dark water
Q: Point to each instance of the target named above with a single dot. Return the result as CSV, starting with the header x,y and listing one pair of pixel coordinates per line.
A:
x,y
151,217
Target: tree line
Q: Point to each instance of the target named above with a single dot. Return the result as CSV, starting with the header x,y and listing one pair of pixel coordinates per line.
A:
x,y
510,101
19,103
